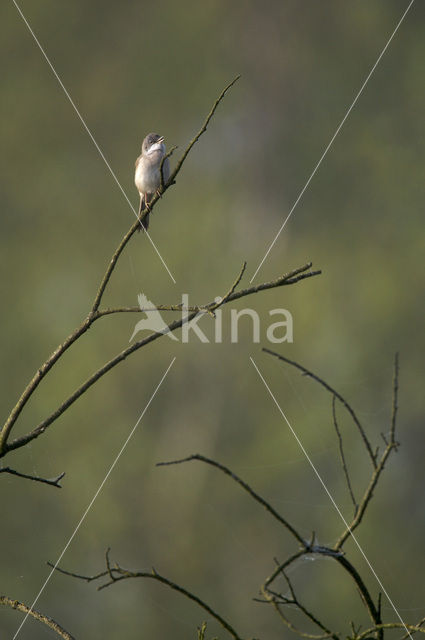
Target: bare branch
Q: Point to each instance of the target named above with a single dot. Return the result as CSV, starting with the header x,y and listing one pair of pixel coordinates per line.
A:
x,y
202,129
391,445
395,400
277,600
156,576
294,600
102,574
245,486
418,625
341,453
281,567
292,627
118,251
364,593
391,625
234,285
272,597
202,631
49,622
377,466
36,379
161,169
117,573
54,482
287,279
366,497
342,400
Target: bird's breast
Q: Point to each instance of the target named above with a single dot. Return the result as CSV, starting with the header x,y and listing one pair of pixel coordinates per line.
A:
x,y
147,177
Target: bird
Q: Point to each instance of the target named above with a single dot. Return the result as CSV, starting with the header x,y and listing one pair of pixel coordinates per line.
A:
x,y
147,177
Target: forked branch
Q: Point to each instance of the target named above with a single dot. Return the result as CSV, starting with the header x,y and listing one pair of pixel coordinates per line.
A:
x,y
270,593
54,482
115,573
337,395
287,279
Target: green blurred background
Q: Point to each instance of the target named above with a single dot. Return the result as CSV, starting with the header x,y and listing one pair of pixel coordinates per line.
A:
x,y
135,67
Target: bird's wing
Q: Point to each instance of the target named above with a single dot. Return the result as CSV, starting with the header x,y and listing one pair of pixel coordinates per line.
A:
x,y
166,169
138,159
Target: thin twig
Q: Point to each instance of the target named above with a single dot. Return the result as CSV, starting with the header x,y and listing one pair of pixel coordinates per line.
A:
x,y
161,169
202,129
54,482
36,379
292,627
340,558
395,399
341,453
117,573
158,307
191,596
366,498
277,599
233,287
281,567
118,251
287,279
336,394
391,445
389,625
327,632
49,622
270,595
97,576
418,625
245,486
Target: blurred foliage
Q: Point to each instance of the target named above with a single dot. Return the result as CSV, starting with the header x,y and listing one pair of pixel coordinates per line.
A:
x,y
136,67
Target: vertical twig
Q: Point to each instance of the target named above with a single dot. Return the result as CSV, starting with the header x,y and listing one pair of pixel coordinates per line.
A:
x,y
342,400
341,452
395,399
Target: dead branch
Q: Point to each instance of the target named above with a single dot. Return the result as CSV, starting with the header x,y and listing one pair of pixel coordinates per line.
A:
x,y
49,622
245,486
52,481
342,400
116,573
287,279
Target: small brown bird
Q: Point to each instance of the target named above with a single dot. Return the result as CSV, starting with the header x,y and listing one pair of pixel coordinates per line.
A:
x,y
147,176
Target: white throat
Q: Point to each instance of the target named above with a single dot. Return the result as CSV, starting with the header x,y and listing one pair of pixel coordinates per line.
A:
x,y
156,146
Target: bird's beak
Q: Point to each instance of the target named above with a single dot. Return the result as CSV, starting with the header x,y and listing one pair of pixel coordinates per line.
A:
x,y
161,139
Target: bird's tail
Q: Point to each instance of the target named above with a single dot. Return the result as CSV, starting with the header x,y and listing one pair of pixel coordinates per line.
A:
x,y
144,224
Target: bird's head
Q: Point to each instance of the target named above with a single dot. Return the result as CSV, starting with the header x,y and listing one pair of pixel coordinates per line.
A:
x,y
153,142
